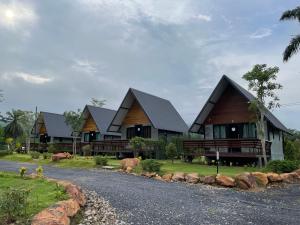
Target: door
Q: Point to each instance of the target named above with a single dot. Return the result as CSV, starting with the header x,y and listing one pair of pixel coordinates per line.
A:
x,y
138,130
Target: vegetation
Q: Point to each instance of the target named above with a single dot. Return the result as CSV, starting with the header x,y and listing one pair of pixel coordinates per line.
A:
x,y
283,166
35,155
39,171
151,165
171,151
87,150
294,44
22,171
137,143
101,160
97,102
261,80
14,128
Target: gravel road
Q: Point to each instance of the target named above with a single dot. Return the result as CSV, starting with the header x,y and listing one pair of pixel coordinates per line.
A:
x,y
146,201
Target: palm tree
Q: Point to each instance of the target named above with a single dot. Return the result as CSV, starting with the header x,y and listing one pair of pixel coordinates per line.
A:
x,y
14,127
294,45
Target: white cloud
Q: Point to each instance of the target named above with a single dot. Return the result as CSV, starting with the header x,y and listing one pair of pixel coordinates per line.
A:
x,y
261,33
85,66
203,17
30,78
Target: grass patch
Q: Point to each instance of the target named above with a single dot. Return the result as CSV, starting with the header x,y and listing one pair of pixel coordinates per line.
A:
x,y
42,193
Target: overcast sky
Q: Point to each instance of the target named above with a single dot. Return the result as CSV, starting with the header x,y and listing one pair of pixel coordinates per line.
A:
x,y
59,54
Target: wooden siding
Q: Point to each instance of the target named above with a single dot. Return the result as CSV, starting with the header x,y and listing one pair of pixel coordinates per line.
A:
x,y
136,116
43,129
89,124
232,107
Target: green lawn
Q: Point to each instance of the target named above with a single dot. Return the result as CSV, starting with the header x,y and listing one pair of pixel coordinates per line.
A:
x,y
42,193
167,166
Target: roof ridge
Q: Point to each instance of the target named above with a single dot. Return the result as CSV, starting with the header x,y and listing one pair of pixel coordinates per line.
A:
x,y
149,94
100,107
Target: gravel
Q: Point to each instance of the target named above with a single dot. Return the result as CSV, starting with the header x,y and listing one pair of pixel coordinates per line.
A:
x,y
139,200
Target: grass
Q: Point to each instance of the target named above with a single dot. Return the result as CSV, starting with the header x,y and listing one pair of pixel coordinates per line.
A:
x,y
42,193
167,166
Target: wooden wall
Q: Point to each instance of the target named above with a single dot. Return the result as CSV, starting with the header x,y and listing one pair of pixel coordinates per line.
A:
x,y
89,124
42,129
136,116
232,107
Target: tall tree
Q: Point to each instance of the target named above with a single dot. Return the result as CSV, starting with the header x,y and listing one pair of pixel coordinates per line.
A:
x,y
294,44
97,102
14,128
262,80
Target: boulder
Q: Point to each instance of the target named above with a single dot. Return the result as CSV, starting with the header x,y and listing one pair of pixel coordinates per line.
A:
x,y
60,156
157,177
208,179
70,206
290,177
245,181
129,162
178,176
129,169
225,181
297,172
167,177
274,177
76,193
149,174
192,178
51,216
261,178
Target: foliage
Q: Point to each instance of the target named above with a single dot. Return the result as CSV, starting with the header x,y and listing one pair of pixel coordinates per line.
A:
x,y
14,128
294,44
47,155
151,165
171,151
5,152
39,171
60,193
22,171
101,160
9,142
292,150
74,119
282,166
87,151
137,143
13,203
51,148
97,102
35,155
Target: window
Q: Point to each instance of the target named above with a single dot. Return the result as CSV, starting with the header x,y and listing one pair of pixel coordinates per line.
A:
x,y
143,131
146,132
97,136
86,137
130,132
249,130
219,131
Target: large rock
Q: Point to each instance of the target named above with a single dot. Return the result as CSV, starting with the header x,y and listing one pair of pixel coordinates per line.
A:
x,y
149,174
167,177
76,193
261,178
51,216
178,176
245,181
129,169
192,178
60,156
70,206
274,177
297,172
225,181
129,162
157,177
208,179
290,177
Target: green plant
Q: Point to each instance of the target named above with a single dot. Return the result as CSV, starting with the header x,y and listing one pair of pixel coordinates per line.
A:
x,y
5,152
35,155
13,204
86,150
22,171
100,160
51,148
171,151
282,166
151,165
39,171
60,193
137,143
47,155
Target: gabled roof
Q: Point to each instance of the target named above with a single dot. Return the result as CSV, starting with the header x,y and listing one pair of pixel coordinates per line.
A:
x,y
160,112
218,91
55,124
102,118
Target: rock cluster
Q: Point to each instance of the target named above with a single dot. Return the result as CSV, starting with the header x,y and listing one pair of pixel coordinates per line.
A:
x,y
60,156
99,212
129,164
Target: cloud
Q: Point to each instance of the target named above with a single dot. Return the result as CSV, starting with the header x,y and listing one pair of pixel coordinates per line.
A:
x,y
261,33
30,78
85,66
203,17
16,15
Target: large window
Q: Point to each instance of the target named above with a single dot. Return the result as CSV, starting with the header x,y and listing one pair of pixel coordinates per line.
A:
x,y
145,132
249,130
86,137
219,131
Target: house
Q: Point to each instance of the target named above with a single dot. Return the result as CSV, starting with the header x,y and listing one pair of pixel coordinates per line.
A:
x,y
145,115
96,122
226,124
52,128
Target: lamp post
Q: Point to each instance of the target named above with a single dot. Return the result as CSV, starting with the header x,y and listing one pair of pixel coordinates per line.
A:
x,y
217,158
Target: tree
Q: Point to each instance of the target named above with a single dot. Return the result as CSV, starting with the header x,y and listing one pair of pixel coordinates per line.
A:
x,y
27,122
137,144
14,128
294,44
97,102
261,80
171,151
1,95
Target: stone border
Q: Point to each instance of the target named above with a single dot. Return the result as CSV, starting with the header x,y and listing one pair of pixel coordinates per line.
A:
x,y
61,212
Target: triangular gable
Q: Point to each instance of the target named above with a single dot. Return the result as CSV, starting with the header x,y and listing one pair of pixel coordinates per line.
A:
x,y
89,124
136,115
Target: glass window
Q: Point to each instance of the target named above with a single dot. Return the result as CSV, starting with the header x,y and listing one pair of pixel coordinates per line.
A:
x,y
219,131
86,137
249,130
97,136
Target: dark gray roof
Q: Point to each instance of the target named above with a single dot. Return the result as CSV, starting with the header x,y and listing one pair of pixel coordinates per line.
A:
x,y
160,112
102,118
216,94
56,125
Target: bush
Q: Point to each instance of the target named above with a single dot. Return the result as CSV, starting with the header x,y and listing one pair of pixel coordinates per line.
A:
x,y
87,150
47,155
5,152
39,171
51,148
171,151
13,204
22,171
101,160
282,166
151,165
35,155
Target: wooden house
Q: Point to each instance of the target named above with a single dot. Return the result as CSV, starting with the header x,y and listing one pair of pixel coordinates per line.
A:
x,y
145,115
96,122
226,124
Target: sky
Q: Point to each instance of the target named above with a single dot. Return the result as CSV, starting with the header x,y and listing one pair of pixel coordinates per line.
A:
x,y
57,55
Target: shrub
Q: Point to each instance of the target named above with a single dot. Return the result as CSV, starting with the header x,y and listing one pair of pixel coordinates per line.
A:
x,y
35,155
101,160
51,149
5,152
151,165
13,204
137,143
171,151
22,171
39,171
86,150
282,166
47,155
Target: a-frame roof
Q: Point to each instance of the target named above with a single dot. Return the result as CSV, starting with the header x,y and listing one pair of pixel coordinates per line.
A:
x,y
102,118
55,124
216,94
160,112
